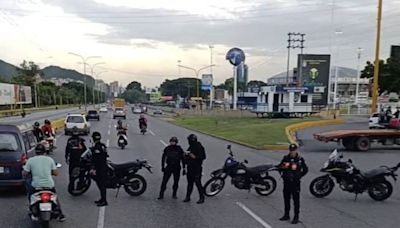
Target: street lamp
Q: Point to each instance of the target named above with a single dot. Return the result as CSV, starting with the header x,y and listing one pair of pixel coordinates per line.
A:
x,y
197,71
337,32
359,50
179,68
211,72
84,60
95,78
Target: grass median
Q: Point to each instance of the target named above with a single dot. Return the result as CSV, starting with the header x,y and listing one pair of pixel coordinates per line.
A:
x,y
254,132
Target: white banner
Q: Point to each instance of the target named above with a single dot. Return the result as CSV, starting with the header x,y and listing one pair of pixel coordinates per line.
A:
x,y
15,94
6,94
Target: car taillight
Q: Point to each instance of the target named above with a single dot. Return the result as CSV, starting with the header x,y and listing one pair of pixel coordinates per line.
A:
x,y
23,159
45,197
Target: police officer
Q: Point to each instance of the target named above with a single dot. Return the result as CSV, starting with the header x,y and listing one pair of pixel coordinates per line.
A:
x,y
292,168
37,132
100,155
194,160
73,151
173,156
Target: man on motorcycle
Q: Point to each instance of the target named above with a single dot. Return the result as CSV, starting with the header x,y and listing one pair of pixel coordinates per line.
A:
x,y
37,132
100,155
194,160
47,129
292,169
121,130
142,122
173,156
73,151
41,168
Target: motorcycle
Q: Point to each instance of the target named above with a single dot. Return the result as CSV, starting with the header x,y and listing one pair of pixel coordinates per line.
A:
x,y
118,175
48,143
242,177
143,129
122,139
353,180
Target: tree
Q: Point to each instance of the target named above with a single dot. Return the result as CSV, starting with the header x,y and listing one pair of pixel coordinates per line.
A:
x,y
134,96
134,85
389,72
26,73
184,87
256,84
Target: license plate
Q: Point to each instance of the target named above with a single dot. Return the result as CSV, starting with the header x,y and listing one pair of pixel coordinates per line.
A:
x,y
45,207
1,169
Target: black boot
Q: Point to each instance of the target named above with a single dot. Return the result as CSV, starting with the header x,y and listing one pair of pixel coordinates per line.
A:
x,y
174,195
201,200
286,217
295,219
161,196
187,199
102,203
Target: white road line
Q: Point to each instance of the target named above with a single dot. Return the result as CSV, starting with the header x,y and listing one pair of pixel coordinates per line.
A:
x,y
108,143
100,219
152,133
109,132
252,214
164,143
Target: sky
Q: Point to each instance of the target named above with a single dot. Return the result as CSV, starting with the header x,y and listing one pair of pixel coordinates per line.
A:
x,y
143,40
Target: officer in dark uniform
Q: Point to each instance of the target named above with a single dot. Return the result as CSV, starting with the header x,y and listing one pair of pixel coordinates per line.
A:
x,y
100,155
37,132
292,168
73,151
194,160
173,156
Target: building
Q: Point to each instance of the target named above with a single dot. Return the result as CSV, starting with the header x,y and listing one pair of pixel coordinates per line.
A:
x,y
100,85
114,89
347,81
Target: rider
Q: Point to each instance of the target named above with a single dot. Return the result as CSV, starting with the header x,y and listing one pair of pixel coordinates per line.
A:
x,y
73,151
142,121
122,130
41,168
47,129
37,131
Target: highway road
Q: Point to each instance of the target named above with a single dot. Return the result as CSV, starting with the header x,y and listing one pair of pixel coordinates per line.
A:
x,y
232,208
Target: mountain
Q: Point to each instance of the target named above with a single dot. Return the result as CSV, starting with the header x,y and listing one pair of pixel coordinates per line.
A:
x,y
61,73
7,71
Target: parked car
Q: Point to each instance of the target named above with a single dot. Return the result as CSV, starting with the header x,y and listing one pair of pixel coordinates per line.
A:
x,y
119,112
17,144
76,120
103,108
93,114
158,112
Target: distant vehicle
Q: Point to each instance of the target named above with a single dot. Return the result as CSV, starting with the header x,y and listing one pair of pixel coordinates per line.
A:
x,y
17,144
103,108
158,112
137,110
93,114
119,112
78,121
118,103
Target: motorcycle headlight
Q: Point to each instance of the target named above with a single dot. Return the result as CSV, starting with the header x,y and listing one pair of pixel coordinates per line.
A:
x,y
326,164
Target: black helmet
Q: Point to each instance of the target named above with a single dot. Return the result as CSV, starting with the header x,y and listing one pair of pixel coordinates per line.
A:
x,y
119,122
40,149
36,124
96,136
75,130
192,138
174,139
292,147
46,121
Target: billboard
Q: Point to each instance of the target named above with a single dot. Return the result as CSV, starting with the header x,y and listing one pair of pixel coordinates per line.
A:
x,y
315,71
15,94
206,81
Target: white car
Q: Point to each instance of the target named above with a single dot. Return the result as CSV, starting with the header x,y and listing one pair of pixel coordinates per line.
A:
x,y
374,121
78,121
103,109
137,110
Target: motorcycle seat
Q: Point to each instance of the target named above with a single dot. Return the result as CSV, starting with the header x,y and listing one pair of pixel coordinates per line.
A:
x,y
259,169
124,165
374,172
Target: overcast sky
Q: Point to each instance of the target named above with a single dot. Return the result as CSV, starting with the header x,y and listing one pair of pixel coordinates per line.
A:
x,y
143,39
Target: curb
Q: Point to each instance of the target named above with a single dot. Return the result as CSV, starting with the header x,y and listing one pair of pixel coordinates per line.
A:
x,y
291,130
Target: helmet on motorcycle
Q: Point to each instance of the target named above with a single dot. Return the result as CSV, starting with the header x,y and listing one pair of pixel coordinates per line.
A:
x,y
40,149
174,139
292,147
96,136
192,138
36,124
75,130
47,122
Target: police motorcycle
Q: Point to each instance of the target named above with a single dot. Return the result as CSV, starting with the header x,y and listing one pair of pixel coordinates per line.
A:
x,y
122,138
242,177
118,175
43,206
353,180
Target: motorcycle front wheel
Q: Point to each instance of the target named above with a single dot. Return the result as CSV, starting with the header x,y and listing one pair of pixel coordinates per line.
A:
x,y
76,188
45,224
269,186
214,186
136,185
381,191
321,186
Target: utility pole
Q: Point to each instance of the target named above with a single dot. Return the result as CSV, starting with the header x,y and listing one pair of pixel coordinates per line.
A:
x,y
211,72
359,50
295,40
377,50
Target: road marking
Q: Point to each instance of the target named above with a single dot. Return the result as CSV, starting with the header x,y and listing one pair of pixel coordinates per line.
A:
x,y
108,143
164,143
109,132
100,220
252,214
152,133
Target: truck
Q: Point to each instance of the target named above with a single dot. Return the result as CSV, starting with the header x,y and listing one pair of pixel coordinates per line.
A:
x,y
361,140
119,108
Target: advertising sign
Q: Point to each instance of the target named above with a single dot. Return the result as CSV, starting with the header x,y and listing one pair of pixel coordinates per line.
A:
x,y
6,94
206,81
15,94
315,73
235,56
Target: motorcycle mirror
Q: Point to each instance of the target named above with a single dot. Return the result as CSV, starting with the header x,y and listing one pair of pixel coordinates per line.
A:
x,y
350,161
58,165
229,147
245,161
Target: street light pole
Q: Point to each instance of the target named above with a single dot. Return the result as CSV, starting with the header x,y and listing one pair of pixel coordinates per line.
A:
x,y
211,72
359,50
377,51
337,32
84,60
92,70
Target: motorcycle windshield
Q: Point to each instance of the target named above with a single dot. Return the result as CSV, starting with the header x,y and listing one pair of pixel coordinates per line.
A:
x,y
334,155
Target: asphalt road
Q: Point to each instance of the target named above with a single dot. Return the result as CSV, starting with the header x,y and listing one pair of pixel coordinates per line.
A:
x,y
232,208
39,116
